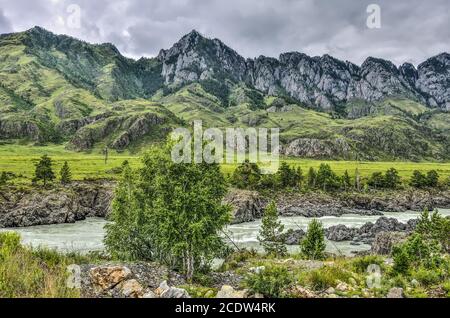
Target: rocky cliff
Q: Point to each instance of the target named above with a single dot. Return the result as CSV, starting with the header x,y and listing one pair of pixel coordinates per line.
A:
x,y
322,82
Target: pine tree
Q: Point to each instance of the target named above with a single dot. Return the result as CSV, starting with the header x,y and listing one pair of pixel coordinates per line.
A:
x,y
346,181
392,179
44,170
326,178
432,179
65,174
418,180
313,245
270,234
312,178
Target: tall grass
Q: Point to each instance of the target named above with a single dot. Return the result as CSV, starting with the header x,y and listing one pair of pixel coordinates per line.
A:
x,y
26,273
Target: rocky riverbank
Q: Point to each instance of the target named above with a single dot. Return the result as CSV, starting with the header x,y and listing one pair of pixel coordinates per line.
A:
x,y
21,207
365,234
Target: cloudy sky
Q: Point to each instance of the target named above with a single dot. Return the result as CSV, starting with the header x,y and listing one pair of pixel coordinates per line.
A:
x,y
411,30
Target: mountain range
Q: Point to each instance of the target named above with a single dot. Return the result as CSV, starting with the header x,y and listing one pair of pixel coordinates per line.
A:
x,y
58,89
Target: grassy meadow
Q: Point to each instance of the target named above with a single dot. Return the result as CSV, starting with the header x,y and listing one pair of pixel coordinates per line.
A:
x,y
21,160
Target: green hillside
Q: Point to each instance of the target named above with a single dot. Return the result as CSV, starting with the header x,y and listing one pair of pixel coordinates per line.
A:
x,y
57,90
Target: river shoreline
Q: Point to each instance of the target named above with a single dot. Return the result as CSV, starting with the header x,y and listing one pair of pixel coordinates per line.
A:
x,y
23,207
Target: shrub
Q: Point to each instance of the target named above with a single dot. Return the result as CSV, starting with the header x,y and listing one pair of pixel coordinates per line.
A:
x,y
426,277
435,227
313,245
325,277
415,252
270,282
361,264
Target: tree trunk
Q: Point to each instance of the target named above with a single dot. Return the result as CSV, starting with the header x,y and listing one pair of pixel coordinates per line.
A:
x,y
189,266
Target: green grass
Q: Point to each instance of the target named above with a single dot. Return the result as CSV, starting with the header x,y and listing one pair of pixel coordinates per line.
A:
x,y
20,160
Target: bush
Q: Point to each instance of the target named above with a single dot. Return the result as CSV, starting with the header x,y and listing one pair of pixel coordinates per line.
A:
x,y
361,264
325,277
416,252
270,282
426,277
435,227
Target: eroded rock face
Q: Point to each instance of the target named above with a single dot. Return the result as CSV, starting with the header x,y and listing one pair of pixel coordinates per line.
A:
x,y
385,241
317,148
61,205
247,205
322,82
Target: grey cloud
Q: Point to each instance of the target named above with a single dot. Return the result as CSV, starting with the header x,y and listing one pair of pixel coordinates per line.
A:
x,y
5,25
412,30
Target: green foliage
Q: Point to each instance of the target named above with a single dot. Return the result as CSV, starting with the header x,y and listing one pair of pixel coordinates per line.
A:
x,y
270,233
312,178
65,174
392,179
325,277
288,177
376,180
31,274
313,244
246,176
44,170
415,252
432,178
361,264
218,89
346,181
3,178
435,227
270,282
170,212
326,178
418,180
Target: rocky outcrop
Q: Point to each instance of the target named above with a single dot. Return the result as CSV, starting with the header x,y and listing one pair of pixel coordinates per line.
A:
x,y
136,128
247,206
15,129
368,232
322,82
385,241
317,148
20,208
136,280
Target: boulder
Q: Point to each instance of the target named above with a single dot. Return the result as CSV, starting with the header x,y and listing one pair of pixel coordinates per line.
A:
x,y
107,277
247,205
395,292
165,291
229,292
131,289
385,241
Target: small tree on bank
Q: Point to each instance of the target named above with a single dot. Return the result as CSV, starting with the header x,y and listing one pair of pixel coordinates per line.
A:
x,y
270,234
44,170
169,212
65,174
313,245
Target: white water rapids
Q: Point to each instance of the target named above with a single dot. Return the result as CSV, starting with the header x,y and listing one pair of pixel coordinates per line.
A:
x,y
88,235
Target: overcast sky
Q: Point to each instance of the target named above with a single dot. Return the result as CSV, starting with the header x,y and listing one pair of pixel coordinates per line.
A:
x,y
411,30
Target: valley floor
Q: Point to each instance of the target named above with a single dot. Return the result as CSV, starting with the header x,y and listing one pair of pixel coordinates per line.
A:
x,y
20,160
